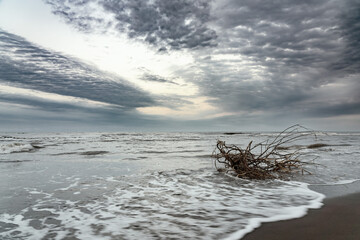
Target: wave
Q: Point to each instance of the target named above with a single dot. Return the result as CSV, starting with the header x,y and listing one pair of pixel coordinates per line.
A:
x,y
18,148
15,161
170,152
91,153
181,204
87,153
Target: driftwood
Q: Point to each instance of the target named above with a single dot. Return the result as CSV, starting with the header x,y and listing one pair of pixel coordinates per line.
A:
x,y
265,160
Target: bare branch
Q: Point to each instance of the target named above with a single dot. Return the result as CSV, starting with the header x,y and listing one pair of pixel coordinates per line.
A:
x,y
272,160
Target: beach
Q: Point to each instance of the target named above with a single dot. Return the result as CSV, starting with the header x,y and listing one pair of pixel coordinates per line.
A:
x,y
165,186
338,219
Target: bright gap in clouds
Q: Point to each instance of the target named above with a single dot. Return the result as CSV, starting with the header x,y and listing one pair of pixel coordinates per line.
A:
x,y
195,109
52,97
113,53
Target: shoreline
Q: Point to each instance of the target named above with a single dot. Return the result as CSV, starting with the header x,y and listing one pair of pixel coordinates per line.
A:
x,y
337,219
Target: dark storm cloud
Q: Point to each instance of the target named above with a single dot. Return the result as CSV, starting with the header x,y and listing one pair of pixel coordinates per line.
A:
x,y
57,111
350,31
162,23
25,65
275,56
75,13
31,114
233,87
293,33
340,109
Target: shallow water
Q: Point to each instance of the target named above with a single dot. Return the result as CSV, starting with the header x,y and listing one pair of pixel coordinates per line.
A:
x,y
151,186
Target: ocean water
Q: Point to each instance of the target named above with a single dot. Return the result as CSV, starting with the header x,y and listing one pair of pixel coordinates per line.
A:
x,y
152,185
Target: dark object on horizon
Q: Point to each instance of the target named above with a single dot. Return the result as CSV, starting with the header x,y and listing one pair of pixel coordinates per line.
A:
x,y
266,160
90,153
317,145
233,133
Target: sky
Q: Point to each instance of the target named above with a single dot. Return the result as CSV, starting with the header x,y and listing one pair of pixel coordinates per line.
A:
x,y
179,65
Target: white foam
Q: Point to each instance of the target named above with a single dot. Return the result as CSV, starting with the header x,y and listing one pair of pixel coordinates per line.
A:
x,y
76,183
185,204
289,213
15,147
23,226
340,182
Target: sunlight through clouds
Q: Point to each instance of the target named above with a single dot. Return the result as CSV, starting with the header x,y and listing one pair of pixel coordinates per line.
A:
x,y
222,60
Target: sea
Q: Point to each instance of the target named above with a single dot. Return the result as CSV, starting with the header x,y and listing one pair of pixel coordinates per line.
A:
x,y
155,185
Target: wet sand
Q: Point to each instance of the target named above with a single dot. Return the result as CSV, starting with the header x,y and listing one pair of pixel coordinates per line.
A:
x,y
338,219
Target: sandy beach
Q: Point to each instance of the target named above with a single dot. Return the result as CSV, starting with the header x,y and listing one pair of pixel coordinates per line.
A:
x,y
338,219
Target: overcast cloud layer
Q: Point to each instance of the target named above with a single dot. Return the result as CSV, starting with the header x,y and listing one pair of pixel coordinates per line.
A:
x,y
81,91
292,56
255,61
175,24
32,67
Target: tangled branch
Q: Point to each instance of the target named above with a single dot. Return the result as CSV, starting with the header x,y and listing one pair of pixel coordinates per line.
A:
x,y
265,160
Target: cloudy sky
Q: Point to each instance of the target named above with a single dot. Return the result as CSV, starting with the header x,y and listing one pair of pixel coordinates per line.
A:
x,y
177,65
